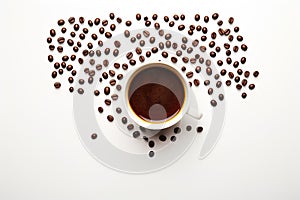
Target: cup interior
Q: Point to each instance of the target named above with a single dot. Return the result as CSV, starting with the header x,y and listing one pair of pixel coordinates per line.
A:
x,y
156,93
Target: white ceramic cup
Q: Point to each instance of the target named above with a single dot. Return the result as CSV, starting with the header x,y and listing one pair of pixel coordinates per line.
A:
x,y
160,124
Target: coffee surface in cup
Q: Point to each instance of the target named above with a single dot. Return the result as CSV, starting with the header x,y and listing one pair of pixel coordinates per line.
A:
x,y
156,93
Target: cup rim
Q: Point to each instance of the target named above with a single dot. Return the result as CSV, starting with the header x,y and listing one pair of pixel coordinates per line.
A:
x,y
157,125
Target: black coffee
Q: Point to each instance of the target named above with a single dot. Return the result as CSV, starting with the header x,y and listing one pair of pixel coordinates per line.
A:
x,y
156,93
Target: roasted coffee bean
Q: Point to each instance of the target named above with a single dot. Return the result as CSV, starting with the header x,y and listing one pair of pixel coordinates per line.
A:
x,y
107,102
210,91
181,27
154,16
130,126
157,26
178,53
239,72
199,129
126,33
212,54
97,21
217,76
132,62
244,47
152,40
90,23
71,20
183,46
247,74
235,49
239,38
148,54
243,60
236,29
230,38
223,72
81,20
76,27
189,74
54,74
50,58
192,27
166,18
206,82
132,40
244,95
112,73
207,62
213,35
255,74
147,23
104,22
142,43
203,38
49,40
235,64
73,57
230,20
185,59
208,71
196,82
60,49
110,118
52,32
63,65
128,23
141,58
154,50
72,34
108,35
237,79
101,30
56,65
226,45
218,84
218,49
100,109
221,31
204,30
226,32
124,66
198,69
228,82
168,44
183,68
164,54
238,86
220,62
176,17
120,76
112,82
57,85
197,17
231,75
220,22
94,36
138,16
206,19
104,75
201,60
251,86
244,82
213,103
171,23
215,16
51,47
228,52
82,36
198,28
228,60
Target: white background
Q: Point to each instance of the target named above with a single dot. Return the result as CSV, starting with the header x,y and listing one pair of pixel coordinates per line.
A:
x,y
258,156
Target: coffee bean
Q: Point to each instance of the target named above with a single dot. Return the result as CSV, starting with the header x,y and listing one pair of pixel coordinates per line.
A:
x,y
100,109
203,38
243,60
157,26
210,91
71,20
221,97
154,50
183,46
171,23
128,23
132,40
207,62
181,27
208,71
231,75
56,65
130,126
108,35
164,54
142,43
76,27
201,60
82,36
79,44
98,67
57,85
54,74
147,23
218,84
63,65
71,89
230,38
235,48
235,64
174,59
176,17
239,38
255,74
124,66
178,53
202,48
104,75
50,58
227,32
126,33
173,138
96,92
49,40
166,18
116,52
148,54
220,62
237,79
244,47
212,54
141,58
120,76
198,69
221,31
90,80
231,20
85,52
85,30
152,40
51,47
197,17
97,21
236,29
72,34
206,82
228,60
211,44
52,32
69,67
196,82
138,16
204,30
215,16
228,52
226,45
124,120
107,102
220,22
244,95
206,19
101,30
213,103
247,74
244,82
189,74
112,73
198,28
240,72
168,44
238,86
104,22
185,59
223,72
251,86
132,62
192,27
228,82
90,23
110,118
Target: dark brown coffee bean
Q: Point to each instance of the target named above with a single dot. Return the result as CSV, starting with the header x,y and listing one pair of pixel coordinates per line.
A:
x,y
244,82
132,40
56,65
81,81
244,47
157,26
173,59
207,62
189,74
147,23
192,27
195,43
57,85
183,46
52,32
110,118
50,58
235,64
63,30
138,16
107,102
112,73
226,45
124,66
63,65
132,62
220,62
148,54
231,75
236,29
96,92
223,72
204,30
217,76
104,22
185,59
220,22
73,57
76,27
120,76
218,84
85,52
230,20
181,27
198,69
100,109
255,74
71,20
82,36
176,17
206,19
104,75
128,23
251,86
198,28
238,86
226,32
164,54
197,17
203,38
51,47
106,51
228,83
244,95
54,74
228,52
101,30
108,35
190,32
221,31
60,49
106,90
183,68
49,40
239,38
230,38
81,20
247,74
154,16
71,89
237,79
235,49
141,58
212,54
208,71
97,21
215,16
189,50
213,103
239,72
210,91
154,50
206,82
61,40
218,49
201,60
228,60
112,27
60,22
168,44
213,35
243,60
196,82
171,23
